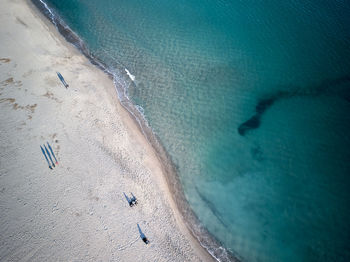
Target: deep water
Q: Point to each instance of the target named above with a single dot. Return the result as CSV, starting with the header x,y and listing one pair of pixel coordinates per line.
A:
x,y
251,99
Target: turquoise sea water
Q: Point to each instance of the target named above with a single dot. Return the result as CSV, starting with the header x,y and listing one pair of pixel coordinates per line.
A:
x,y
251,99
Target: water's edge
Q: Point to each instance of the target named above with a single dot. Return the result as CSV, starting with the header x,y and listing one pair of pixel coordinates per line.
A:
x,y
206,240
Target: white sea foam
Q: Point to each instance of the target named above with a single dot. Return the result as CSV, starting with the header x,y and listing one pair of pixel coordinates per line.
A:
x,y
52,16
132,77
141,110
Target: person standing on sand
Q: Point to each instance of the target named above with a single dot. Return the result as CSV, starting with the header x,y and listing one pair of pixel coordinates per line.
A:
x,y
62,79
142,235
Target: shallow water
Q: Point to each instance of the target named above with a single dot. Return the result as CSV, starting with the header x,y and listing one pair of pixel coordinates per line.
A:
x,y
251,99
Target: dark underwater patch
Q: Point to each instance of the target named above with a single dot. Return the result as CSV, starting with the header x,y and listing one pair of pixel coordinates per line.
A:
x,y
339,87
251,123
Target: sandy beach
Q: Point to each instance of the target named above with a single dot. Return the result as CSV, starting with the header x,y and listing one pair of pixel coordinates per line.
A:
x,y
77,210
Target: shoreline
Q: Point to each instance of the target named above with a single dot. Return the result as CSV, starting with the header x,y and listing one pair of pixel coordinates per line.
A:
x,y
38,190
201,238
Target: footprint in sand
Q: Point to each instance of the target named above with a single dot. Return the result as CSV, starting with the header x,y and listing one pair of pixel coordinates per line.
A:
x,y
4,60
29,108
10,81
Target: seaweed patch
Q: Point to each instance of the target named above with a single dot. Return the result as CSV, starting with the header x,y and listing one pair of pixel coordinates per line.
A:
x,y
339,87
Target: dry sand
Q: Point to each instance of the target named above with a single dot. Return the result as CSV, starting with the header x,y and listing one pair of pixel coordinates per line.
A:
x,y
76,211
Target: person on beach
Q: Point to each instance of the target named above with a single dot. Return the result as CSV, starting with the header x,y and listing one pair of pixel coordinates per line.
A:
x,y
130,200
62,80
142,235
43,151
133,199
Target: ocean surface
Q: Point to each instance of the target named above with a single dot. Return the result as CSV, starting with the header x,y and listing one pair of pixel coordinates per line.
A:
x,y
251,99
